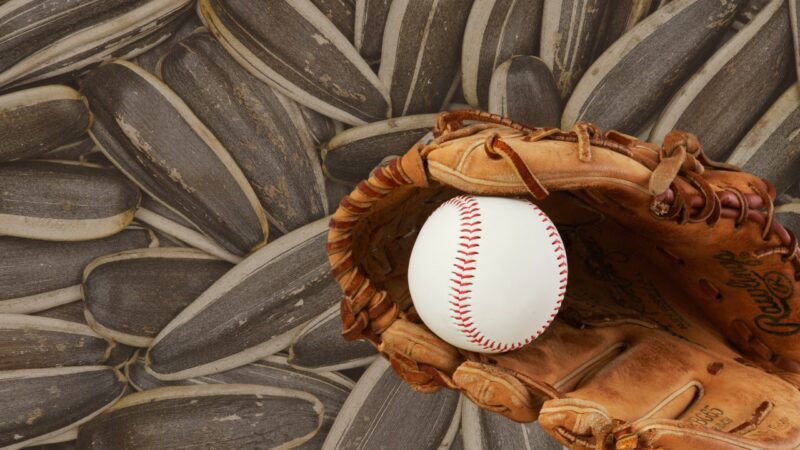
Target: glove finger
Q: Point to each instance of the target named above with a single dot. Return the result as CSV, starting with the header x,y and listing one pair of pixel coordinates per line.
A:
x,y
419,345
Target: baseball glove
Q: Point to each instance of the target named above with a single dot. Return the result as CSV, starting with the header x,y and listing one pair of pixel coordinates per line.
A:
x,y
680,325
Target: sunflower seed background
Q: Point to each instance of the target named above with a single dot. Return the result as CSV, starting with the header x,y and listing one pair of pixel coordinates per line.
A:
x,y
167,168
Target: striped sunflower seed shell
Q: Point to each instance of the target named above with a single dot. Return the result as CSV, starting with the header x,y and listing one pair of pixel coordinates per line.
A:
x,y
130,296
31,342
336,82
37,120
569,35
319,346
263,130
621,16
64,201
183,164
383,408
789,216
330,388
253,311
352,154
370,21
496,31
630,82
70,312
42,403
728,94
481,429
771,149
421,53
523,89
149,59
167,222
794,16
73,151
341,13
38,275
40,39
218,416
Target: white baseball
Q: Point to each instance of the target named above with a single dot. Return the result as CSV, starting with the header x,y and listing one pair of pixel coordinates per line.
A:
x,y
488,274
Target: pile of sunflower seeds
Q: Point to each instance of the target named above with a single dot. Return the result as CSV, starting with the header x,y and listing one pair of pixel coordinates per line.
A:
x,y
167,168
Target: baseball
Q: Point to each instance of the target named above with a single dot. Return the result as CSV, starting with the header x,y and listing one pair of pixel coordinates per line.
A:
x,y
488,274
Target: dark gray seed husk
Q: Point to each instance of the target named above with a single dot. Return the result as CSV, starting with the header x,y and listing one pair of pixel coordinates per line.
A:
x,y
336,81
341,13
330,388
322,128
485,429
210,416
771,149
320,346
634,77
253,311
130,296
149,59
370,21
31,342
794,16
263,130
38,403
72,151
523,89
64,201
58,44
183,164
379,410
38,275
37,120
726,97
71,312
336,191
352,154
495,32
789,216
621,16
569,34
421,53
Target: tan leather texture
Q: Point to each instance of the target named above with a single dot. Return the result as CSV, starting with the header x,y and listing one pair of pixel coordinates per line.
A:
x,y
680,328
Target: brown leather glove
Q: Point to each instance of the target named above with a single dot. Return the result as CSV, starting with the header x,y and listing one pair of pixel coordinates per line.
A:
x,y
680,324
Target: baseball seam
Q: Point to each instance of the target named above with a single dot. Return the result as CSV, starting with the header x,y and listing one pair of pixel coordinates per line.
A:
x,y
465,262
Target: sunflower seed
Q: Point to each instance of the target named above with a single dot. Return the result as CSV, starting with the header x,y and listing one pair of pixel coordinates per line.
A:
x,y
420,66
253,311
166,221
149,59
63,201
177,163
789,216
72,151
262,129
294,47
330,388
621,16
771,149
747,72
353,153
370,21
130,296
319,346
458,441
322,128
523,89
496,31
377,412
210,416
70,312
37,120
42,403
485,429
341,14
39,275
61,441
31,342
335,193
569,34
631,80
43,38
